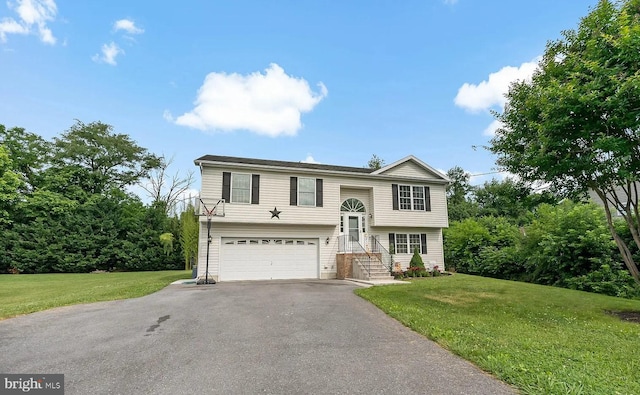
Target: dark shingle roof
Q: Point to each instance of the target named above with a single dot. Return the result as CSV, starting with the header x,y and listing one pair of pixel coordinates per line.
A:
x,y
280,163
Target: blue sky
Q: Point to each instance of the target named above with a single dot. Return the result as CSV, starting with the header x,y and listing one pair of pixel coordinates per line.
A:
x,y
327,81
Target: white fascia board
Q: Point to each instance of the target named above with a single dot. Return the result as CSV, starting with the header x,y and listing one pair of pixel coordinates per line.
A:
x,y
290,170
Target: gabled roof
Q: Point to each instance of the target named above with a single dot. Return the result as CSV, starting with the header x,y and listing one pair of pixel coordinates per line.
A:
x,y
415,160
280,163
218,160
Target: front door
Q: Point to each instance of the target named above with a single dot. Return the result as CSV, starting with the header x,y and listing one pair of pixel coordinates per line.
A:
x,y
352,224
354,227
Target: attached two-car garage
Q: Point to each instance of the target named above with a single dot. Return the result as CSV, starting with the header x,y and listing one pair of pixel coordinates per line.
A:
x,y
268,258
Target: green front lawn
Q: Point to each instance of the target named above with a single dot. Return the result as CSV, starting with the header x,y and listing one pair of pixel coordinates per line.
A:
x,y
542,340
28,293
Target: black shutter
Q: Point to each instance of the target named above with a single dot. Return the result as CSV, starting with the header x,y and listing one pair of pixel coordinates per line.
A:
x,y
226,186
318,192
293,197
392,243
427,199
255,189
394,196
423,242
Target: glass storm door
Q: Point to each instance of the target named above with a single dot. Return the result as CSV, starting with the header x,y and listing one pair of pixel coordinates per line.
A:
x,y
354,227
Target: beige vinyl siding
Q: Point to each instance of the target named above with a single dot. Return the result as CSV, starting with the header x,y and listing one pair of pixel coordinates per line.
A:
x,y
622,196
411,169
434,255
326,252
274,193
385,215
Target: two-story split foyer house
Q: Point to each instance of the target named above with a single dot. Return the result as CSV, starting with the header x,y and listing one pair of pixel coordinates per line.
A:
x,y
293,220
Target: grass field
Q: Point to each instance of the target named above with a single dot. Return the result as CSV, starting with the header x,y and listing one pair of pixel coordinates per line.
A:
x,y
542,340
28,293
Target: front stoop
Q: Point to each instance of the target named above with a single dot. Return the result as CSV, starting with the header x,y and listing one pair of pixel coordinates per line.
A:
x,y
345,262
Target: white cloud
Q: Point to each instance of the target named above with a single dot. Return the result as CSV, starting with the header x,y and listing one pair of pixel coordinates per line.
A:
x,y
10,26
268,104
128,26
109,53
309,159
491,93
33,15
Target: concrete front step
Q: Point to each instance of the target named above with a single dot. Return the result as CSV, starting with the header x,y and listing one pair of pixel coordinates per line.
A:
x,y
380,275
379,271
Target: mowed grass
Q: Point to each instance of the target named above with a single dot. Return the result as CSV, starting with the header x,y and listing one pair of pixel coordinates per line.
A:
x,y
542,340
28,293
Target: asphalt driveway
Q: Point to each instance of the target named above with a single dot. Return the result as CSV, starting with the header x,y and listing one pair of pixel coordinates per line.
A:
x,y
297,337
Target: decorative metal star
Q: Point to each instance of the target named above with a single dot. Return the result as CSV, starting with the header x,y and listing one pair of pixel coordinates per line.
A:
x,y
275,213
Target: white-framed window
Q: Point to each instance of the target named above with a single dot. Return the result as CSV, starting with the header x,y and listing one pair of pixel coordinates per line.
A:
x,y
401,243
306,191
411,197
404,192
406,243
418,198
414,242
240,188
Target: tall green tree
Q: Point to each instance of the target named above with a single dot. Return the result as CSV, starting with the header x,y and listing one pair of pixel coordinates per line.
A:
x,y
109,160
575,125
63,206
10,182
29,154
189,229
375,162
508,198
459,195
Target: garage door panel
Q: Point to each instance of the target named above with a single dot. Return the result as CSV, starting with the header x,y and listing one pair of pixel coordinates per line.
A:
x,y
265,259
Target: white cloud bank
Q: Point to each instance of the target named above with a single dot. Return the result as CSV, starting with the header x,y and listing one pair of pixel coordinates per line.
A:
x,y
108,54
267,104
127,25
33,16
491,92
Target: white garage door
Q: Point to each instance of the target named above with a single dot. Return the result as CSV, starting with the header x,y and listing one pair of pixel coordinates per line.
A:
x,y
268,259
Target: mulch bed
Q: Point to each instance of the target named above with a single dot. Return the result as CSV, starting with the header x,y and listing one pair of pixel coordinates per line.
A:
x,y
630,316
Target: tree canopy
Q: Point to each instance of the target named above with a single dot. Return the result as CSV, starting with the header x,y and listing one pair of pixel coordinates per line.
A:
x,y
576,124
108,159
64,206
375,162
9,185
